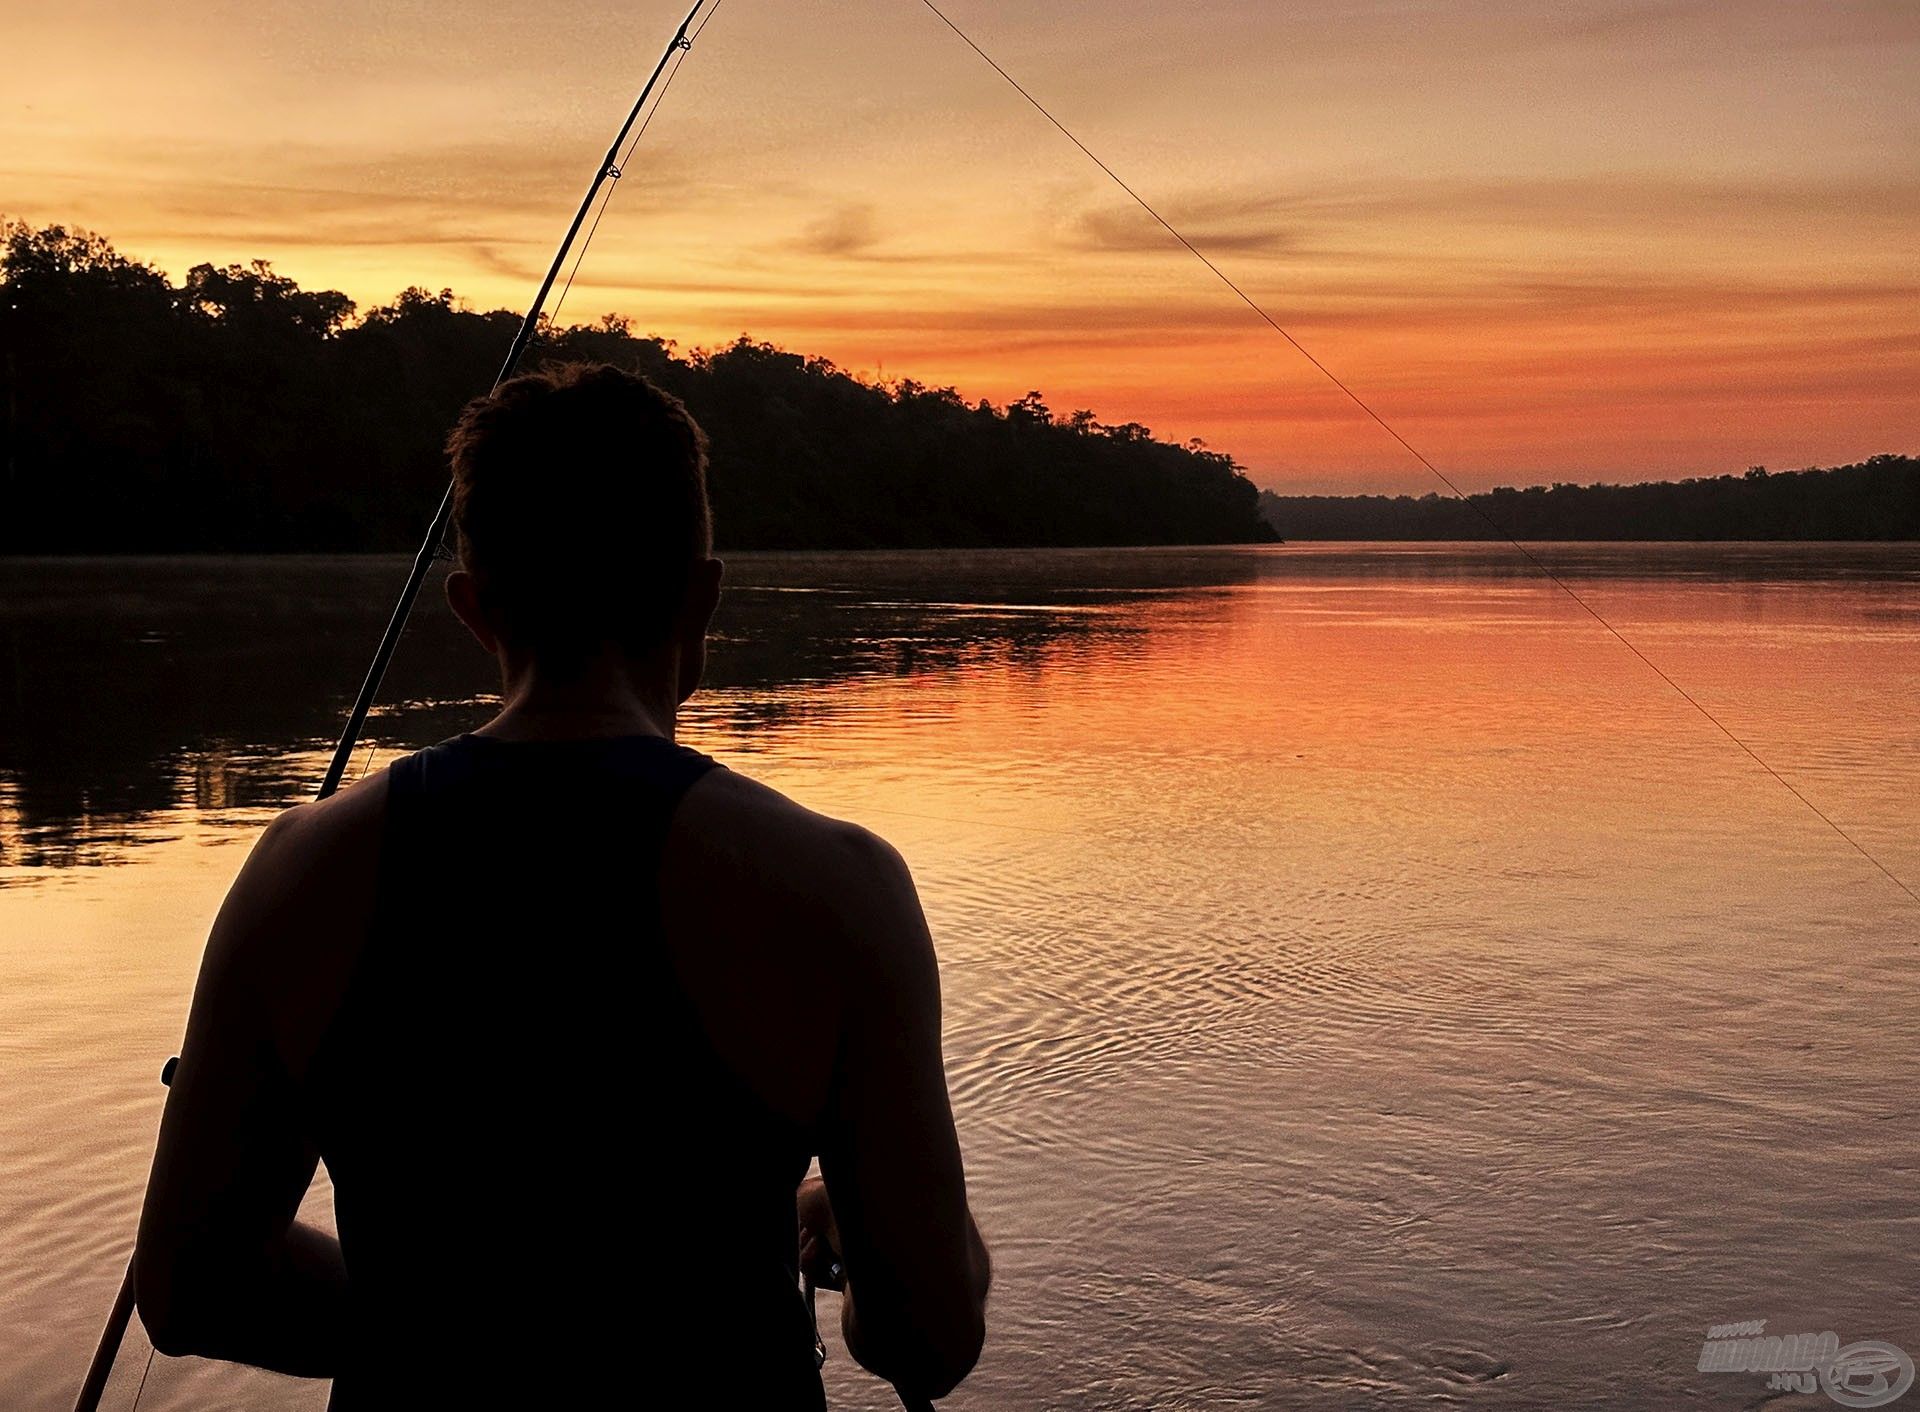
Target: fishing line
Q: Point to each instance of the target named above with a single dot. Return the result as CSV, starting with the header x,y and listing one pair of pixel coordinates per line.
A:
x,y
145,1369
432,547
619,168
614,171
1415,452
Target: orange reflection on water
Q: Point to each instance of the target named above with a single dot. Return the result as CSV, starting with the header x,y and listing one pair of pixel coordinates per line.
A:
x,y
1357,966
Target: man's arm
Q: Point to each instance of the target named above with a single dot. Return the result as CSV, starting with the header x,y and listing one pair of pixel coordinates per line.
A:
x,y
222,1269
916,1269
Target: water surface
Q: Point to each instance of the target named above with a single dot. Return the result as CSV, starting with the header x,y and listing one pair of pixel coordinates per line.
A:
x,y
1366,984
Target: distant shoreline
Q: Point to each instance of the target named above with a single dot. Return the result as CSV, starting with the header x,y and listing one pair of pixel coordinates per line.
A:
x,y
18,558
1871,501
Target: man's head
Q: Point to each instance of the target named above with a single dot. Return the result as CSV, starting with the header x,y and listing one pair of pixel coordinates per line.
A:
x,y
580,505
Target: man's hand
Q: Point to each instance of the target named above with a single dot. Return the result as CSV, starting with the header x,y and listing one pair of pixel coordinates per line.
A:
x,y
819,1237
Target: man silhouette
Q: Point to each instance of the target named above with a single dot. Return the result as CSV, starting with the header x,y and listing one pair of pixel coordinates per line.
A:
x,y
567,1009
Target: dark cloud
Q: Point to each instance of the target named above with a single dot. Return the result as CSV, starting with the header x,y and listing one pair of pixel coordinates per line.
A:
x,y
1227,223
1751,24
847,231
1618,199
1357,223
852,231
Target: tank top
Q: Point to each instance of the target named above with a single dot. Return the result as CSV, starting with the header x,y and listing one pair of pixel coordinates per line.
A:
x,y
550,1189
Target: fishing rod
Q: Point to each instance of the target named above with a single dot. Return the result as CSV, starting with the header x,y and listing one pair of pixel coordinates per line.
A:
x,y
114,1331
608,171
909,1401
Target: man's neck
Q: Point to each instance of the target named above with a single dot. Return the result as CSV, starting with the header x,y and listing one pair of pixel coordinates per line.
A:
x,y
613,696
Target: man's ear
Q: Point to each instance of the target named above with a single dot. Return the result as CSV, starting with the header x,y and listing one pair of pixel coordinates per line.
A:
x,y
696,613
703,591
463,596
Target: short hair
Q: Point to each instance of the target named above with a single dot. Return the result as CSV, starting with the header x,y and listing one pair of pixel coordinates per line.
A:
x,y
580,505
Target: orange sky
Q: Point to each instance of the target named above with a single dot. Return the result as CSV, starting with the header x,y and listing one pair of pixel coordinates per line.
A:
x,y
1547,238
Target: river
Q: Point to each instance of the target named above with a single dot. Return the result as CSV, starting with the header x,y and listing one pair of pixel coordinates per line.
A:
x,y
1367,984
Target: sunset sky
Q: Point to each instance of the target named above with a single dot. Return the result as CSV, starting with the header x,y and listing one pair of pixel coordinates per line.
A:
x,y
1547,240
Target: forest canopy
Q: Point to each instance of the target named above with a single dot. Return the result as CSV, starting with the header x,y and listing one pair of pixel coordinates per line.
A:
x,y
236,411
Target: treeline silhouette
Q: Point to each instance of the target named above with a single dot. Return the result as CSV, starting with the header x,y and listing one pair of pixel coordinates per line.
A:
x,y
237,411
1878,498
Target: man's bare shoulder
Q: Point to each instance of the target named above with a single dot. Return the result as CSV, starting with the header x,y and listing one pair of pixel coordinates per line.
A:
x,y
310,847
291,929
752,847
309,879
735,823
